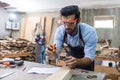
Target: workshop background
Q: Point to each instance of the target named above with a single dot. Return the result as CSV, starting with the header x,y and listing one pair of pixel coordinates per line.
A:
x,y
27,20
21,21
27,23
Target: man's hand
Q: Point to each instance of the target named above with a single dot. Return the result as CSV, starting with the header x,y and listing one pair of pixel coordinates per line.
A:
x,y
71,62
50,53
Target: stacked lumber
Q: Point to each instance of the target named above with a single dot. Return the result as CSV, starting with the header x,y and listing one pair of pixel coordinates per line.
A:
x,y
11,46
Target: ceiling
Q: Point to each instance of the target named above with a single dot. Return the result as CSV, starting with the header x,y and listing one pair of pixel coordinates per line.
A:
x,y
55,5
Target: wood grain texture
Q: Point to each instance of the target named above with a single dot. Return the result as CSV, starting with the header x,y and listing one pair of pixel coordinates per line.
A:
x,y
107,70
63,74
48,27
23,27
17,55
42,24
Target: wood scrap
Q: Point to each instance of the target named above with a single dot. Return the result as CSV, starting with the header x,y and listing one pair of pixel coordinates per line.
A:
x,y
14,46
108,52
91,76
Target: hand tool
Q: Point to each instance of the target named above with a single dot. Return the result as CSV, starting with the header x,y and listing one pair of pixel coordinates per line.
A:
x,y
17,63
91,76
5,75
54,48
24,69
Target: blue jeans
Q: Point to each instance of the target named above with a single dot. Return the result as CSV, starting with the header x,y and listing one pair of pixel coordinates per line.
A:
x,y
42,54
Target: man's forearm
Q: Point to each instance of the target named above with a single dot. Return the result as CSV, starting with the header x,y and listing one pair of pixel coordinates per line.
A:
x,y
84,61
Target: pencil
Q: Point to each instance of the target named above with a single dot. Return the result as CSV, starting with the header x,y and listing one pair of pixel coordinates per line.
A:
x,y
24,69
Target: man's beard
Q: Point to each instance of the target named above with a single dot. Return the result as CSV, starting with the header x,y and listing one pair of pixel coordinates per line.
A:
x,y
70,31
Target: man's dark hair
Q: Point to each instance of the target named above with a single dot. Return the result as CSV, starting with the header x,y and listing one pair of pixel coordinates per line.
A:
x,y
69,10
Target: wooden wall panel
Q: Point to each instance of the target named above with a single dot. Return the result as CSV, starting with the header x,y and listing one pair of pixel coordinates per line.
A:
x,y
29,23
48,27
42,24
30,26
23,27
53,29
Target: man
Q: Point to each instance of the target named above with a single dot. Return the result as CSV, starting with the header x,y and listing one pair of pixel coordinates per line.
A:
x,y
40,45
80,37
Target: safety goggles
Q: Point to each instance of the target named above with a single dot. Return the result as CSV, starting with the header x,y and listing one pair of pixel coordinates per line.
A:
x,y
68,22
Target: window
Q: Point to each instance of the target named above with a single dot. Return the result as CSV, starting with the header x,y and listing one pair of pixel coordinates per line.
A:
x,y
104,21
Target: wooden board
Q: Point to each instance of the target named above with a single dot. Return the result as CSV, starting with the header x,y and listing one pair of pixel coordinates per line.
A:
x,y
23,27
29,25
42,24
48,27
107,70
18,55
107,58
63,74
60,63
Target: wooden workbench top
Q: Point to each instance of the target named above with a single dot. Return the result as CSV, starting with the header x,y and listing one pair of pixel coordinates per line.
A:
x,y
107,58
19,74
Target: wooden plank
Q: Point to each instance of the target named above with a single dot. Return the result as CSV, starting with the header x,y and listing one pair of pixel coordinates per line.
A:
x,y
60,63
23,27
107,58
63,74
42,24
118,78
48,27
107,70
30,25
18,55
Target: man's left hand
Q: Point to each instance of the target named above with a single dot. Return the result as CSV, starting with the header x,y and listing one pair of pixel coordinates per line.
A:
x,y
71,62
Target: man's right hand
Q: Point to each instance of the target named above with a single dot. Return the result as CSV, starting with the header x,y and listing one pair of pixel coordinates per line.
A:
x,y
50,53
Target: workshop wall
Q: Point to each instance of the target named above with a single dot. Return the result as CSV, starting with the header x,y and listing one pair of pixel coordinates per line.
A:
x,y
29,21
87,16
112,34
27,26
4,17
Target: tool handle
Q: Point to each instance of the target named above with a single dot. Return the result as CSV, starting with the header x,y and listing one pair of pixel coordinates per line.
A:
x,y
19,63
54,48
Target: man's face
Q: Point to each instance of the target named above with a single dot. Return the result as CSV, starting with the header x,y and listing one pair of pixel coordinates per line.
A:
x,y
69,22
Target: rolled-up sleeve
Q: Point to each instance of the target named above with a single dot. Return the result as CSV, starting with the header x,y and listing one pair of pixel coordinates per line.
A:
x,y
90,44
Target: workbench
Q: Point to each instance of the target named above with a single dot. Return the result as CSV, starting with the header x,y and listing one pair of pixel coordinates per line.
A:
x,y
19,74
106,69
